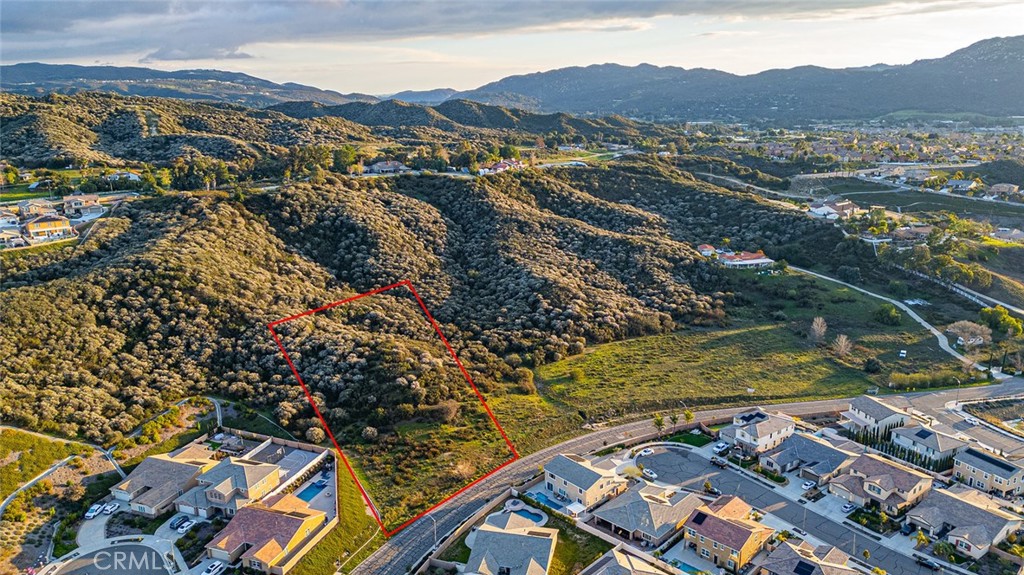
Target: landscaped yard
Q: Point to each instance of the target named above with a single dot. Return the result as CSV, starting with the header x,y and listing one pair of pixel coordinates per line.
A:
x,y
575,548
355,528
696,440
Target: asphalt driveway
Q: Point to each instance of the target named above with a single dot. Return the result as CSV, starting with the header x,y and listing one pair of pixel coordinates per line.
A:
x,y
118,560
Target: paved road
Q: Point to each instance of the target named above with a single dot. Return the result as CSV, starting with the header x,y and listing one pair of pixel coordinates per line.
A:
x,y
683,467
119,560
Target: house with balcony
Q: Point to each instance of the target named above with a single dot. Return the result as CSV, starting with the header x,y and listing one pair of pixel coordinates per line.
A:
x,y
576,479
868,414
931,444
757,431
874,481
724,533
987,472
229,486
968,519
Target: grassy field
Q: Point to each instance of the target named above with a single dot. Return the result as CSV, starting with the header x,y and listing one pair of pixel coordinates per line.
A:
x,y
913,201
1006,263
21,192
776,359
23,456
424,462
355,528
844,186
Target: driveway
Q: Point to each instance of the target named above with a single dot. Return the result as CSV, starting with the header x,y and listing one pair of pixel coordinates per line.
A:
x,y
93,531
131,559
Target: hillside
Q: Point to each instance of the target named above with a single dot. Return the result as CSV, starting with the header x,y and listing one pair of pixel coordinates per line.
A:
x,y
109,128
984,78
171,296
35,79
464,116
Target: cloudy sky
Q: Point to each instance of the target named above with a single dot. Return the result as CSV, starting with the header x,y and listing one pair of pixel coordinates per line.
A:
x,y
382,46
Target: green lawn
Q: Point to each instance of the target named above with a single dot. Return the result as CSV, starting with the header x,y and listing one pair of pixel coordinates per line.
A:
x,y
23,456
355,527
575,548
166,446
690,439
21,192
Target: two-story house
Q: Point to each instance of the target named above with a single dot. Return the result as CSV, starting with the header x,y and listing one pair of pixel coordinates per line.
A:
x,y
509,544
82,205
576,479
972,521
870,414
875,481
987,472
266,538
817,458
229,486
48,227
757,431
929,443
724,533
36,207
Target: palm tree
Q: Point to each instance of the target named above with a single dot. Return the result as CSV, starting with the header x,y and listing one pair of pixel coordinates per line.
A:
x,y
688,416
674,419
659,422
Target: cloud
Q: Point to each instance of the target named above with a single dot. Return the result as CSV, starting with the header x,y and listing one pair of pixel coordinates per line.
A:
x,y
220,29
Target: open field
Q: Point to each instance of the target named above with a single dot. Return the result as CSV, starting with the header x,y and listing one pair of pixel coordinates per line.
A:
x,y
843,186
767,348
1005,261
23,456
912,201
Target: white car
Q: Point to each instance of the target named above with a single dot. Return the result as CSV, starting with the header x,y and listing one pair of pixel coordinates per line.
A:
x,y
972,421
903,353
215,568
111,507
186,526
808,485
93,511
645,452
720,447
650,474
849,507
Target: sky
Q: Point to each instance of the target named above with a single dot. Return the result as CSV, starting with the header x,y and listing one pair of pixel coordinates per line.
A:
x,y
385,46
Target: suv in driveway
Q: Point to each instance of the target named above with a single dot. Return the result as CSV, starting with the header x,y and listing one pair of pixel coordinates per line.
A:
x,y
720,448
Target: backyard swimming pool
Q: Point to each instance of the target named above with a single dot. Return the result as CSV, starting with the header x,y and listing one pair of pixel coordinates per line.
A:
x,y
535,517
310,492
545,500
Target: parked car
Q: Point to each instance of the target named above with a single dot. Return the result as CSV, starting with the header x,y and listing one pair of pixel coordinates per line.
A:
x,y
645,452
907,529
215,568
649,474
972,421
713,490
719,462
111,507
93,511
928,563
720,448
186,526
808,485
849,507
178,521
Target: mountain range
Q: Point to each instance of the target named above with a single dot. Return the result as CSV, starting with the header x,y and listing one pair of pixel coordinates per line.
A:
x,y
984,78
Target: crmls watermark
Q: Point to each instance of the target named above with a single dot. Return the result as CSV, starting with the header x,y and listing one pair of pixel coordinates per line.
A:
x,y
128,561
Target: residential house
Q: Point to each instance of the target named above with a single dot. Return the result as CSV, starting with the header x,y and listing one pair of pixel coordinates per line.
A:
x,y
577,479
834,209
387,167
1008,235
152,487
970,520
624,561
8,218
229,486
1003,189
724,533
48,227
757,431
874,481
511,545
806,559
12,238
869,414
706,250
82,205
987,472
816,458
130,176
931,444
266,537
36,207
961,185
745,260
647,513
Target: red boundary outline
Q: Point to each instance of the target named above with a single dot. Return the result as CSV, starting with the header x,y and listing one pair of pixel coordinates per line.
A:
x,y
451,351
